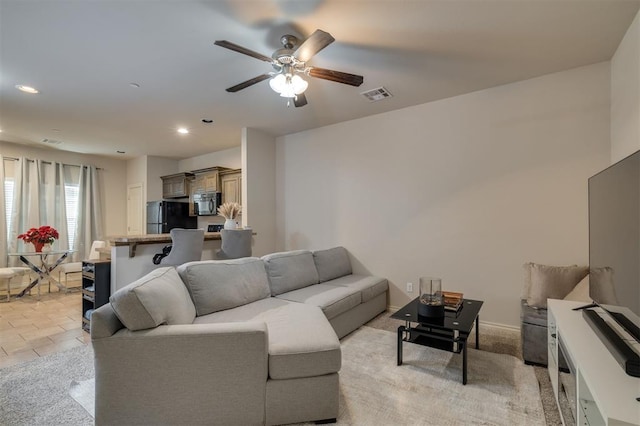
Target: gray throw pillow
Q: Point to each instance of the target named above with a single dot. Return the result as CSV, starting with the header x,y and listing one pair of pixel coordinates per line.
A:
x,y
216,285
332,263
553,282
290,270
158,298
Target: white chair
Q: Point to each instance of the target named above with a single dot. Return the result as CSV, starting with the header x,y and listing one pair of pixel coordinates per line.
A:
x,y
7,274
186,246
76,267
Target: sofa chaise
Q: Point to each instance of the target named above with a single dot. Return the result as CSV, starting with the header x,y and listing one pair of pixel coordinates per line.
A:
x,y
245,341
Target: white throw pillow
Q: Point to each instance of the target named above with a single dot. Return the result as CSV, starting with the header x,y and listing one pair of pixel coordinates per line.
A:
x,y
580,292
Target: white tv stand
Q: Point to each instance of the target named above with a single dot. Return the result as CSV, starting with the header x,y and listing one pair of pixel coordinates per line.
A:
x,y
604,394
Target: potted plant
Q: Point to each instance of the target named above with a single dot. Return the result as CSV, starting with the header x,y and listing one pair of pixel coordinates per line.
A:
x,y
40,237
230,212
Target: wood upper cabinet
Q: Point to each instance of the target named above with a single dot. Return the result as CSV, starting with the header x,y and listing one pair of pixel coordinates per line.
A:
x,y
231,183
206,180
176,185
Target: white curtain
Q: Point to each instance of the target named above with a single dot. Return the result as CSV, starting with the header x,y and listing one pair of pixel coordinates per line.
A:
x,y
39,198
53,210
26,203
89,225
3,218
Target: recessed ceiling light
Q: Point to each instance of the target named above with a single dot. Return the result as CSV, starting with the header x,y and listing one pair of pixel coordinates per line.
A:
x,y
27,89
136,85
183,130
207,120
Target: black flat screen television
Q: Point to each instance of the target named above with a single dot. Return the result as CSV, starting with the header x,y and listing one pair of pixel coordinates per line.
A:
x,y
614,248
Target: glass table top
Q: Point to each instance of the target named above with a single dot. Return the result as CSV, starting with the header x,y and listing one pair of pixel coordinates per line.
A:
x,y
34,253
462,320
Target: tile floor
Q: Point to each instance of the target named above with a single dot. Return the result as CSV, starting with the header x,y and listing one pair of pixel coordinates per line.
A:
x,y
32,327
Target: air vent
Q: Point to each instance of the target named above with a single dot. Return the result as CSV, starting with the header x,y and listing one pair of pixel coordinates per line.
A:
x,y
378,94
51,141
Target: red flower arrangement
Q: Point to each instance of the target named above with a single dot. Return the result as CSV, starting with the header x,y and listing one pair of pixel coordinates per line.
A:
x,y
40,236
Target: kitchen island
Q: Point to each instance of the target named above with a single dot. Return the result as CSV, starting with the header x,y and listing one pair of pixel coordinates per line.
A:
x,y
132,255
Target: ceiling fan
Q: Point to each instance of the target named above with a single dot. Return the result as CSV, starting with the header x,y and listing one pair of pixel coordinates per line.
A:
x,y
290,61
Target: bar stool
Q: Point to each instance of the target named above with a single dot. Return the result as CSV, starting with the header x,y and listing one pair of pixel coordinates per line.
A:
x,y
236,243
186,246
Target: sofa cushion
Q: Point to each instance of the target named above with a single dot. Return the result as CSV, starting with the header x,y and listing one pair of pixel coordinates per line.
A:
x,y
553,282
332,263
158,298
290,270
215,285
333,300
302,343
368,286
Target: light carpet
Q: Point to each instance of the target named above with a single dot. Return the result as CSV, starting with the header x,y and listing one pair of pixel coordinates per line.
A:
x,y
425,390
36,392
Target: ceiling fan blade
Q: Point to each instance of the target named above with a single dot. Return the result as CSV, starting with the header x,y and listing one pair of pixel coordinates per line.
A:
x,y
232,46
337,76
248,83
312,45
300,100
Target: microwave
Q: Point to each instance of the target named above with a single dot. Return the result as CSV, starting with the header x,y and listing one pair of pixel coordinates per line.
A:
x,y
206,203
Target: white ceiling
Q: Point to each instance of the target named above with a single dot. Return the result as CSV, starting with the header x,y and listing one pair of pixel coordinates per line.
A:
x,y
83,55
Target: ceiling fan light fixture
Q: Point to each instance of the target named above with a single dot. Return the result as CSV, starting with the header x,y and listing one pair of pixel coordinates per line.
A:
x,y
288,86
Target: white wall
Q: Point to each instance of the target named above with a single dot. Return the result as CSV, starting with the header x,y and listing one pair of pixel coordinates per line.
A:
x,y
156,167
258,188
227,158
467,188
113,179
625,94
137,171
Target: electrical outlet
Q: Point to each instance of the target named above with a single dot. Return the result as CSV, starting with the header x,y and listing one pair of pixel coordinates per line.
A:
x,y
409,287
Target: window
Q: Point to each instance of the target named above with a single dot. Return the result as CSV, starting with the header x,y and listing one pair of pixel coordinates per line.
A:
x,y
71,207
8,199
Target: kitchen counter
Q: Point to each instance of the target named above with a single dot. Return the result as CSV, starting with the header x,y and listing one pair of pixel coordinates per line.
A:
x,y
134,240
132,255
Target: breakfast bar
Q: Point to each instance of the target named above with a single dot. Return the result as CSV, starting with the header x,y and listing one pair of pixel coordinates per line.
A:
x,y
132,255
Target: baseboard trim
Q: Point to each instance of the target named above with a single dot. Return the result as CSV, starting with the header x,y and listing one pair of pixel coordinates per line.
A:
x,y
507,327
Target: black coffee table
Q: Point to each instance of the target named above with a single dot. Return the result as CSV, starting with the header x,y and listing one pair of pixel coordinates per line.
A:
x,y
448,333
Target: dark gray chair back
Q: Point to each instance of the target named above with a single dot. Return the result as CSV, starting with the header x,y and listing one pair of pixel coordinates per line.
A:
x,y
236,243
186,246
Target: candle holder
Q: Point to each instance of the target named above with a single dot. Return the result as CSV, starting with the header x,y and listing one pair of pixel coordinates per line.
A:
x,y
431,299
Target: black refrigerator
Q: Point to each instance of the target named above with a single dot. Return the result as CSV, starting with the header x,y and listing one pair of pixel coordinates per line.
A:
x,y
163,216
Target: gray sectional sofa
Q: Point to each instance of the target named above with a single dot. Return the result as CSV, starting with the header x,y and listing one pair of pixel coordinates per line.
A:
x,y
246,341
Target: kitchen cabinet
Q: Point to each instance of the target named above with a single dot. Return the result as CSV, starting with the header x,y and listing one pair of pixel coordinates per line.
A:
x,y
231,184
205,180
176,185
